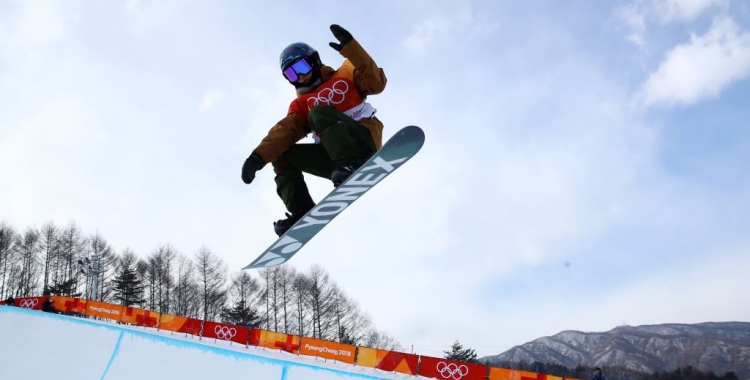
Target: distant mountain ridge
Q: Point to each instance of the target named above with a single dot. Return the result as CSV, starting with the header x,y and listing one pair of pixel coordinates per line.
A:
x,y
718,347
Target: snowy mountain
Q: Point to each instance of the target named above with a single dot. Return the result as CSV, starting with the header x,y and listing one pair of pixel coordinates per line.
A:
x,y
719,347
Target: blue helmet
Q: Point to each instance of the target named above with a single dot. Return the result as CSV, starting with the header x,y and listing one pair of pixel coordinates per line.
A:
x,y
294,52
297,51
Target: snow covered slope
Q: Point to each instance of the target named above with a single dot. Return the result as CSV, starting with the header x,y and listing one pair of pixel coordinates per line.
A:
x,y
36,345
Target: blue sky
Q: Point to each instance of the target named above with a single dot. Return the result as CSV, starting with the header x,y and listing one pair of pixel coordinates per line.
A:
x,y
586,163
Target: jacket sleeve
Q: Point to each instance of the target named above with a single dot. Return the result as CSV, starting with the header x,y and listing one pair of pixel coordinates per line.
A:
x,y
368,77
281,137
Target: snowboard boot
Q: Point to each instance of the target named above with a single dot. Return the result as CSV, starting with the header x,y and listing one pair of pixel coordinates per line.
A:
x,y
282,225
345,168
291,187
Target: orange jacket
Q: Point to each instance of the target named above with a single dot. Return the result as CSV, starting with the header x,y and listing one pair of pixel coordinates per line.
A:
x,y
358,70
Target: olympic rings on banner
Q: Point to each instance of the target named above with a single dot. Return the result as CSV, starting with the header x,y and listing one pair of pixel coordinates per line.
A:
x,y
452,370
29,303
225,332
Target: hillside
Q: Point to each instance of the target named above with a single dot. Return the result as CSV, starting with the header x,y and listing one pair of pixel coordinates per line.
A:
x,y
719,347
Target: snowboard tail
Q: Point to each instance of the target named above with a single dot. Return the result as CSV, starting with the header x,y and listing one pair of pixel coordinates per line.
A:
x,y
397,150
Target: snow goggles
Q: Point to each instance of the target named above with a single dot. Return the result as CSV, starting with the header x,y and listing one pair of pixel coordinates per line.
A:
x,y
301,67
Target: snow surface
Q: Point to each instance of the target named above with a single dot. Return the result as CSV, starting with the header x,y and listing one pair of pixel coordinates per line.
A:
x,y
37,345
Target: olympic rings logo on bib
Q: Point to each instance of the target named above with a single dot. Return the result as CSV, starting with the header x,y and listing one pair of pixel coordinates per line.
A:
x,y
328,96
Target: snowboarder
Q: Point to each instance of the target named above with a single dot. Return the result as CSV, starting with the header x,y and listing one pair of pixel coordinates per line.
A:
x,y
47,305
598,375
332,105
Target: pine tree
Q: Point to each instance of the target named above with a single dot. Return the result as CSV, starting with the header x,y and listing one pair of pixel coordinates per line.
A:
x,y
241,315
458,352
128,287
62,288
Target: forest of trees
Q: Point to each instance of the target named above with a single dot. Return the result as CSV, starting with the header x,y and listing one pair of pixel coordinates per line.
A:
x,y
613,372
64,261
690,373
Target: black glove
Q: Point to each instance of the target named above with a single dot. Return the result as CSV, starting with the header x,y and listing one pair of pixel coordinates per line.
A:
x,y
252,164
342,35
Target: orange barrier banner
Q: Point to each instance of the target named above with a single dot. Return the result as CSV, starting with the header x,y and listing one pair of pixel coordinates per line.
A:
x,y
328,350
140,317
103,310
68,304
171,322
514,374
387,360
275,340
450,369
224,331
180,324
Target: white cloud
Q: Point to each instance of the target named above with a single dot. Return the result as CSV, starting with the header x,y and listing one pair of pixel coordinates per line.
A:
x,y
704,289
638,15
426,33
682,10
666,11
444,28
210,98
40,23
51,154
702,67
635,19
64,125
145,16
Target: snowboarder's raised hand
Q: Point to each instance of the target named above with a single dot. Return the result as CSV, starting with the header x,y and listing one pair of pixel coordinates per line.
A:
x,y
342,35
252,164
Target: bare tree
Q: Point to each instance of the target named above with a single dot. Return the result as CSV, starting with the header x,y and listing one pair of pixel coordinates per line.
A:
x,y
212,277
278,294
351,325
285,278
186,293
28,254
301,303
265,274
149,273
378,339
321,292
320,309
100,265
72,248
9,239
160,277
273,302
50,245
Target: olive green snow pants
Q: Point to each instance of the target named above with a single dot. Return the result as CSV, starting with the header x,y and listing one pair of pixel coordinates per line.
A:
x,y
341,138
